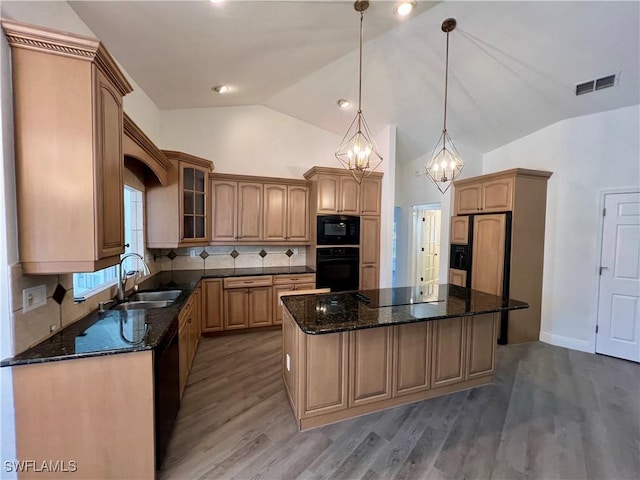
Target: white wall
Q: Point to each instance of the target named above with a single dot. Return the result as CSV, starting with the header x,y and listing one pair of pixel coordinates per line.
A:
x,y
414,188
386,141
249,140
586,155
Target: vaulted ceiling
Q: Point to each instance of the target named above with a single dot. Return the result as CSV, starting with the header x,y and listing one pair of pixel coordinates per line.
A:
x,y
513,65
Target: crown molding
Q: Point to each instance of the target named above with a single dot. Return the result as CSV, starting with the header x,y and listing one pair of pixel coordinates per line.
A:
x,y
185,157
334,171
47,40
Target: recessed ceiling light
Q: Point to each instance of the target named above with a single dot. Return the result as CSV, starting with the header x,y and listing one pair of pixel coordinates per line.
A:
x,y
221,89
403,8
344,103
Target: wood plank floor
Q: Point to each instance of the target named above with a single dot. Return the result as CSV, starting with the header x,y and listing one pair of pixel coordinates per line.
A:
x,y
551,413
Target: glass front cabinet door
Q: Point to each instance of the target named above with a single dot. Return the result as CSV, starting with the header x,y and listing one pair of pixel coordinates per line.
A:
x,y
193,181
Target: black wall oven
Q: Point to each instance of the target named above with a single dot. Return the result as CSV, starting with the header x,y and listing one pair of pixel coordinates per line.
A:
x,y
338,268
338,230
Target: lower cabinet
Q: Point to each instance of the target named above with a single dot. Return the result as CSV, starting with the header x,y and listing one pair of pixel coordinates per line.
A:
x,y
289,283
335,376
248,302
370,354
212,311
448,351
189,334
412,358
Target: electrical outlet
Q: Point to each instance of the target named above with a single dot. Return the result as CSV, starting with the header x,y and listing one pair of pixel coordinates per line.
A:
x,y
34,297
192,252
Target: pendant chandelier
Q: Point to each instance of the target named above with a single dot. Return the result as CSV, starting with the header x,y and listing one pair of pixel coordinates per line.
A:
x,y
358,152
445,164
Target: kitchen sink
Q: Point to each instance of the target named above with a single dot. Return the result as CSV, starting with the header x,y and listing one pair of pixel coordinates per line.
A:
x,y
140,304
155,296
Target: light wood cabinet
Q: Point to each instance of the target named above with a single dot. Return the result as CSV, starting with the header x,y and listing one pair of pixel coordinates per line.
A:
x,y
212,301
369,252
224,194
370,354
481,334
188,337
449,344
460,230
248,302
489,196
289,283
286,213
458,277
371,195
178,214
335,192
250,211
256,210
487,270
412,358
508,247
324,364
68,127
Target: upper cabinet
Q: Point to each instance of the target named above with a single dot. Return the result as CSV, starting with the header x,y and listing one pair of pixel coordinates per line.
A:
x,y
335,191
257,210
67,101
478,196
178,214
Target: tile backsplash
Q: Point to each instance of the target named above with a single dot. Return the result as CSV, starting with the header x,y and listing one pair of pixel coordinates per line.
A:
x,y
34,326
240,256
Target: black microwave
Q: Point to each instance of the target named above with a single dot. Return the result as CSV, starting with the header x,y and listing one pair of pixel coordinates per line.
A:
x,y
338,230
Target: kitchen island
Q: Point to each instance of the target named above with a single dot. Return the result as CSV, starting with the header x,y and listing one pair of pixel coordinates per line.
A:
x,y
352,353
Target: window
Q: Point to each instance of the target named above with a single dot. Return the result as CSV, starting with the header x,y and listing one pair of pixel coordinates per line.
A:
x,y
87,284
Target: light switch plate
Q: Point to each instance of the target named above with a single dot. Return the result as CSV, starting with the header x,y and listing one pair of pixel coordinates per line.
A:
x,y
34,297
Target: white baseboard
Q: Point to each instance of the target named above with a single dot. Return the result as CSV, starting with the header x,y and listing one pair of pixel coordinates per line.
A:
x,y
567,342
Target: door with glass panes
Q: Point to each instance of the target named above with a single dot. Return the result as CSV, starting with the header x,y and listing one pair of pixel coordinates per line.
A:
x,y
193,182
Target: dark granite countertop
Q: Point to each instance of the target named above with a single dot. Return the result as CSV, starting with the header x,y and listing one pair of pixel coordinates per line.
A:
x,y
120,331
339,312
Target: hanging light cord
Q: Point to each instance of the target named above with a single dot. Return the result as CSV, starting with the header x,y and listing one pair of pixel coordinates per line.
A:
x,y
446,87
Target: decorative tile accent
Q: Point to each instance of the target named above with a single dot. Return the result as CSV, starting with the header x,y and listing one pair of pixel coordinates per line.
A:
x,y
235,253
262,253
289,253
172,255
204,254
59,293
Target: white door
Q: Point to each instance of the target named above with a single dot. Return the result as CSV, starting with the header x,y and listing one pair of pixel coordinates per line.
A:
x,y
428,262
618,328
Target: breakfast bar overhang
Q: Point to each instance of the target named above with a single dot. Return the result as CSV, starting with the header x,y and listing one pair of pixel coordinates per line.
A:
x,y
352,353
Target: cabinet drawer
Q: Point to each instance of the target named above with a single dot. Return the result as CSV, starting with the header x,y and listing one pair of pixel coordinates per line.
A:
x,y
294,279
248,282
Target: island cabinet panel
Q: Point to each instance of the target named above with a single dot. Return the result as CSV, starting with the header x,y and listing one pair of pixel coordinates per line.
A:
x,y
481,333
88,411
324,370
412,358
370,353
449,343
212,302
291,360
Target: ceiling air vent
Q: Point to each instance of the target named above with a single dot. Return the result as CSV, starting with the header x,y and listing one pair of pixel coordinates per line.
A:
x,y
593,85
585,87
605,82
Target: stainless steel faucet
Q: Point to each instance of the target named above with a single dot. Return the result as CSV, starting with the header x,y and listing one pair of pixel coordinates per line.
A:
x,y
122,275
